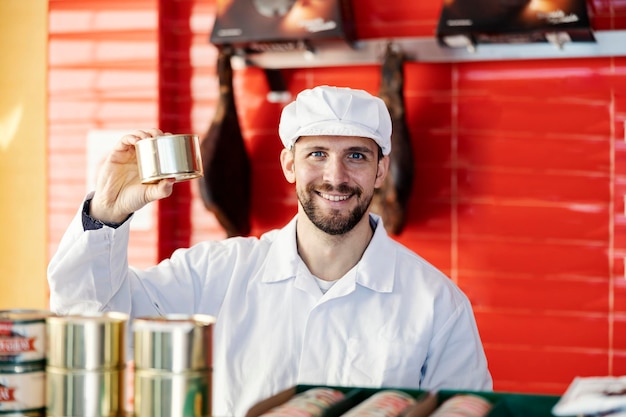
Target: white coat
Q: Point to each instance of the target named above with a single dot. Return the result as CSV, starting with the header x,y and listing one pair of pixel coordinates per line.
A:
x,y
393,320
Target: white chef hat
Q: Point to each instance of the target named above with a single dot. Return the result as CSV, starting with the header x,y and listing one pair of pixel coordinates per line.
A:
x,y
336,111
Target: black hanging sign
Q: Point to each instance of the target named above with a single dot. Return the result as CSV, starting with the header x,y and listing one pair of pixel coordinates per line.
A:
x,y
472,22
258,25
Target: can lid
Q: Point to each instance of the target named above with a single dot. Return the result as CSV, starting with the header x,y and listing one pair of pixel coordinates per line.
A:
x,y
172,322
168,137
24,316
109,316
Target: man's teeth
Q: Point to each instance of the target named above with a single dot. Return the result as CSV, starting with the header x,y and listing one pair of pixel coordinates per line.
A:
x,y
334,197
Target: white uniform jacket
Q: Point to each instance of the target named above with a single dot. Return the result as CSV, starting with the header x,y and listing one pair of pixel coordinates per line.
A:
x,y
394,320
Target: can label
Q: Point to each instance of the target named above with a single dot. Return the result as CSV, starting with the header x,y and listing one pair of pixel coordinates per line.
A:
x,y
22,341
13,346
22,391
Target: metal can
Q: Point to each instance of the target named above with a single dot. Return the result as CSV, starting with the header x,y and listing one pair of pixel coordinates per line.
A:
x,y
87,342
386,403
22,388
182,394
172,365
169,156
175,343
464,405
89,393
86,365
310,403
23,335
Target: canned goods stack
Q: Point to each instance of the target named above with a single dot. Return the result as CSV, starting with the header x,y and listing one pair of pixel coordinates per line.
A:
x,y
173,360
86,361
23,362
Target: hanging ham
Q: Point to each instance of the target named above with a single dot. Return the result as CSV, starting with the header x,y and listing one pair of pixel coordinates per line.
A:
x,y
225,186
390,201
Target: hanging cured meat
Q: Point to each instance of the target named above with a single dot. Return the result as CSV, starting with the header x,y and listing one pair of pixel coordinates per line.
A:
x,y
225,186
390,201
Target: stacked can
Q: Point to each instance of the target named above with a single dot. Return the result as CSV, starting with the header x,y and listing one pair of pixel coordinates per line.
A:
x,y
173,360
86,361
310,403
386,403
23,362
464,405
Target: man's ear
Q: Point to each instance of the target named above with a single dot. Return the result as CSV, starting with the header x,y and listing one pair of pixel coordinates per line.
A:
x,y
287,163
382,171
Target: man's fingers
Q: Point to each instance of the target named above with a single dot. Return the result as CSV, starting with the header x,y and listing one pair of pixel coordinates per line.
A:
x,y
151,133
128,141
137,135
166,186
160,190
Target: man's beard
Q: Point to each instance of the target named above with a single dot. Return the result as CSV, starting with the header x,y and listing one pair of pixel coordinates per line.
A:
x,y
334,223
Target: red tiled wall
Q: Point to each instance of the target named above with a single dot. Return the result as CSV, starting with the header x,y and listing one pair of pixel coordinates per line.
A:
x,y
520,169
102,76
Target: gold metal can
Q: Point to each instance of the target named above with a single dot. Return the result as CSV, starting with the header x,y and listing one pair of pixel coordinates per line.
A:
x,y
169,156
23,335
173,365
174,343
89,393
87,342
172,394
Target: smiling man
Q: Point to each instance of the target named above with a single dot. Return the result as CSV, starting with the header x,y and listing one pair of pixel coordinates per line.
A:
x,y
329,299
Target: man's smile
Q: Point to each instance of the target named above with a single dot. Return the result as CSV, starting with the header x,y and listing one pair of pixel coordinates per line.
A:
x,y
331,197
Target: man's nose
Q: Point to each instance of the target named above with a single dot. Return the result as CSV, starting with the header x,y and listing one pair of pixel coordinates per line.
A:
x,y
335,171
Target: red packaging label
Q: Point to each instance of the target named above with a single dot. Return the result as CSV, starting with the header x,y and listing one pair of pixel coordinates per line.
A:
x,y
16,345
7,394
6,327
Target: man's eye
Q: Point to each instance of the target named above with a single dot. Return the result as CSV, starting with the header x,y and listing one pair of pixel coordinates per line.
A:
x,y
317,154
356,155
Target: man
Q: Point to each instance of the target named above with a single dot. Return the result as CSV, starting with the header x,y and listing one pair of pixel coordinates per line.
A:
x,y
329,299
